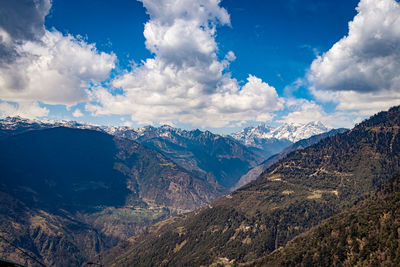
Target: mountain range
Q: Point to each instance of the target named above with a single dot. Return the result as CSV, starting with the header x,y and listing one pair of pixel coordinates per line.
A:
x,y
292,196
54,173
290,131
222,160
216,158
268,140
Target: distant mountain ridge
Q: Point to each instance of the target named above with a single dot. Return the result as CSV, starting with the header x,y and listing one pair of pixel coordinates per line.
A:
x,y
110,161
216,158
212,156
268,140
289,131
292,132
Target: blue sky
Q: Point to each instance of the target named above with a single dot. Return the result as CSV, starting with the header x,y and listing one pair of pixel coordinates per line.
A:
x,y
274,40
200,64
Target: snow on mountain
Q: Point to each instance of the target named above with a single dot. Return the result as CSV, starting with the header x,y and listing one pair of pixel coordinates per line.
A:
x,y
292,132
195,150
249,136
18,124
215,158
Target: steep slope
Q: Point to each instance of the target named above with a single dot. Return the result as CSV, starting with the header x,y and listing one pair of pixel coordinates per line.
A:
x,y
212,156
292,196
364,235
54,239
257,171
73,167
116,186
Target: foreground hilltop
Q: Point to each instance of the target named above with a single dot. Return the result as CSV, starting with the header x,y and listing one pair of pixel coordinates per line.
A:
x,y
291,196
364,235
255,172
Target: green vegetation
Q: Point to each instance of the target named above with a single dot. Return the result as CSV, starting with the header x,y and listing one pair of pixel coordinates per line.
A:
x,y
127,215
117,224
364,235
56,240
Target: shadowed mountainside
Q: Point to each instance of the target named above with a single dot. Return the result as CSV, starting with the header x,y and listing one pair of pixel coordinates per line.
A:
x,y
218,159
71,168
56,239
82,190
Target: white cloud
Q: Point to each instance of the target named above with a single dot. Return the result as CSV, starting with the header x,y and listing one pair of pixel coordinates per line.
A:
x,y
185,81
41,65
77,113
25,109
20,21
304,111
365,104
57,70
24,19
362,70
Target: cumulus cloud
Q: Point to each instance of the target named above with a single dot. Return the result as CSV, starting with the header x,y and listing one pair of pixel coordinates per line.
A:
x,y
362,70
41,65
25,109
304,111
185,81
57,69
20,21
365,104
77,113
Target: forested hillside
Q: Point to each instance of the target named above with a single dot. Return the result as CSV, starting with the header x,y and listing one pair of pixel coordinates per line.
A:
x,y
292,196
364,235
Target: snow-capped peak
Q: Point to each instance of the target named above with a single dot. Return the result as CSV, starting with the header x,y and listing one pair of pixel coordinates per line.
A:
x,y
289,131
